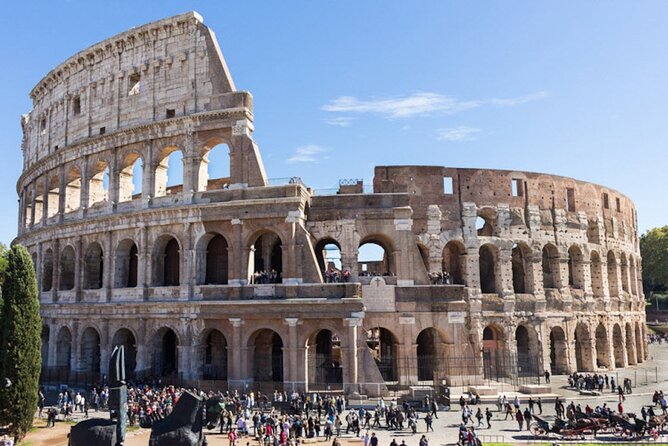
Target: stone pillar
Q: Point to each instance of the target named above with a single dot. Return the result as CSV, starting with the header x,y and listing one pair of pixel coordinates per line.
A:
x,y
234,369
78,270
84,198
238,274
148,176
472,262
105,348
33,204
55,276
108,274
52,358
404,246
295,372
45,201
350,371
143,262
187,263
62,192
113,192
184,363
74,351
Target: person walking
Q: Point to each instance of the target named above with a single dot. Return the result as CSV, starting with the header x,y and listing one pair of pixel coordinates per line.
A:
x,y
428,421
424,441
488,416
539,403
478,416
527,417
520,419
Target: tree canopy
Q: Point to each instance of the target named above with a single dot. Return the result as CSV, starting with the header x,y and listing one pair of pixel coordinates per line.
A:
x,y
654,251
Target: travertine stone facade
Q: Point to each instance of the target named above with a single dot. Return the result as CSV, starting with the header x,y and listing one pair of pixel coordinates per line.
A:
x,y
544,270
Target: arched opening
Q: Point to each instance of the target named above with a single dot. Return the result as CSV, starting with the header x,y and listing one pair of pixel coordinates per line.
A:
x,y
216,261
550,263
125,338
89,355
374,257
521,266
169,172
53,198
165,359
613,286
633,276
618,346
383,346
494,353
430,356
67,268
215,356
73,189
266,259
528,357
126,264
602,347
63,352
328,255
488,269
485,223
452,262
130,178
98,184
558,351
267,347
596,275
624,272
639,344
93,267
583,353
630,345
324,360
575,268
45,346
214,168
167,262
47,270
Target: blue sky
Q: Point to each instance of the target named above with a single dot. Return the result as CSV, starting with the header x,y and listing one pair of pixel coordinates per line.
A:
x,y
572,88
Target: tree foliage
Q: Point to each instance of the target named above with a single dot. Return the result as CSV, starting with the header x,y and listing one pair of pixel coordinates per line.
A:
x,y
20,342
654,251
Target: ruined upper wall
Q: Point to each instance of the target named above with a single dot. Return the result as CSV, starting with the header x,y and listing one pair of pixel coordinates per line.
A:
x,y
165,69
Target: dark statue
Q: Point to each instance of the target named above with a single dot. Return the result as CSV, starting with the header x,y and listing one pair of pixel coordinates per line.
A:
x,y
99,431
183,427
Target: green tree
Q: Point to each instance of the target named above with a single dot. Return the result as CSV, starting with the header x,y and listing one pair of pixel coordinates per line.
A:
x,y
654,251
20,348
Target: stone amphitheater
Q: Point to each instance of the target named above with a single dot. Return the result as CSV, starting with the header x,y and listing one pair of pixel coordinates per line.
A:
x,y
233,281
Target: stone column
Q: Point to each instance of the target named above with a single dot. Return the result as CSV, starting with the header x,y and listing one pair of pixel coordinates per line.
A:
x,y
295,375
184,363
74,351
78,269
52,358
472,262
238,274
45,203
62,192
33,204
55,276
113,193
105,348
234,369
148,176
84,198
143,262
108,274
351,383
187,263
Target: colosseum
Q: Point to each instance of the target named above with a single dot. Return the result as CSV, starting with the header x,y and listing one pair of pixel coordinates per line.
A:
x,y
483,276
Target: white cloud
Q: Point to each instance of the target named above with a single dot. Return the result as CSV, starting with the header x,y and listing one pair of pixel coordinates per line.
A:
x,y
341,121
310,153
457,134
421,104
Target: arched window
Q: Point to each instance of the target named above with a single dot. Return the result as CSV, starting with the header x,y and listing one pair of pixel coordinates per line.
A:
x,y
126,264
67,268
383,345
73,189
47,270
216,261
130,178
575,268
613,284
214,169
98,184
169,172
328,255
452,262
488,269
125,338
324,359
550,263
522,282
267,347
93,266
89,354
166,262
266,259
53,197
375,257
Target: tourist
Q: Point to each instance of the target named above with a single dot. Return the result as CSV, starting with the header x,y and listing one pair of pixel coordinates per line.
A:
x,y
488,416
519,418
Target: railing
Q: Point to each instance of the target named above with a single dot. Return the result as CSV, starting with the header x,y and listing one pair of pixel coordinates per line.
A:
x,y
279,291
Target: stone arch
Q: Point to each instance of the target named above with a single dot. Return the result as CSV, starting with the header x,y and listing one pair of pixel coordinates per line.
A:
x,y
430,355
266,258
126,338
550,264
558,351
127,264
89,353
383,345
630,345
597,275
384,266
453,253
130,177
494,353
165,352
486,222
602,347
167,160
213,259
583,348
213,355
93,266
47,270
324,360
328,254
167,261
63,349
98,182
215,153
624,267
521,267
528,351
612,275
67,265
72,189
618,346
266,355
576,273
640,356
488,264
